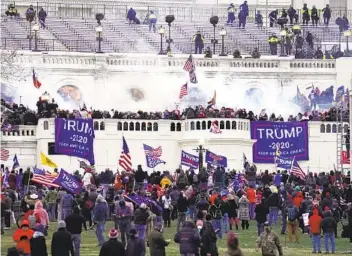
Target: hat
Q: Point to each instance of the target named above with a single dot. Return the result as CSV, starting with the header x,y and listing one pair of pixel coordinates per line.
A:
x,y
143,206
266,224
33,196
133,232
61,224
25,223
113,233
326,208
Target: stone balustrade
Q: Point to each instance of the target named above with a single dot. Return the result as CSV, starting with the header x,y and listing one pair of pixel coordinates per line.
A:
x,y
145,61
185,126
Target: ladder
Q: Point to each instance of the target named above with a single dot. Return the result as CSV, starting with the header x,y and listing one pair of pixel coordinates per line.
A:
x,y
340,141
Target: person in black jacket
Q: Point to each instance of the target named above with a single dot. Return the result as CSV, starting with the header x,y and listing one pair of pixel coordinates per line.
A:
x,y
61,243
267,178
27,176
139,177
74,224
328,225
37,242
182,206
135,245
112,246
261,212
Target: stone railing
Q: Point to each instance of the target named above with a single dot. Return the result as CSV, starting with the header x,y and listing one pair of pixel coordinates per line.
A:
x,y
127,61
190,125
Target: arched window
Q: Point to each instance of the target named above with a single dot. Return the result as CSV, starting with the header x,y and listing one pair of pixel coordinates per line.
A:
x,y
204,125
96,125
227,126
328,128
192,126
144,127
138,126
345,128
149,127
222,125
102,126
209,124
155,127
322,128
198,125
46,125
234,125
172,127
119,126
178,127
131,126
334,128
125,126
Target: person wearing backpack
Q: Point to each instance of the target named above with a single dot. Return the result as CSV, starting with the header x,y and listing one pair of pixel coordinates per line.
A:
x,y
208,238
182,180
216,213
292,222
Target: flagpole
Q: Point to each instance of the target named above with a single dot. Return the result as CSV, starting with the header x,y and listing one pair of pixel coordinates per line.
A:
x,y
292,164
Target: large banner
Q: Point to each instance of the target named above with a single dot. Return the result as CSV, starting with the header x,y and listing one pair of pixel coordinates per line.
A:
x,y
290,138
189,160
68,182
214,159
75,137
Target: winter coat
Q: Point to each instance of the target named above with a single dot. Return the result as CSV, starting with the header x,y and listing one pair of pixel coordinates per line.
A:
x,y
12,181
261,210
23,244
157,244
27,175
182,204
188,238
208,239
136,247
61,243
232,208
41,214
243,211
251,195
74,223
38,245
101,211
272,200
328,224
315,222
141,216
327,202
139,176
112,247
297,200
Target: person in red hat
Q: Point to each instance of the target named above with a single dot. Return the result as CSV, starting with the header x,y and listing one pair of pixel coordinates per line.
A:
x,y
315,229
22,237
112,246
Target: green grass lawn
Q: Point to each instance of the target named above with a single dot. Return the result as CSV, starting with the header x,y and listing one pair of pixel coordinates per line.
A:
x,y
247,242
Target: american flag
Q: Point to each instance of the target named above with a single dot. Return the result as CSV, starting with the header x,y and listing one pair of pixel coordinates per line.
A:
x,y
297,171
125,160
36,82
5,154
183,91
191,68
214,128
44,178
154,152
85,166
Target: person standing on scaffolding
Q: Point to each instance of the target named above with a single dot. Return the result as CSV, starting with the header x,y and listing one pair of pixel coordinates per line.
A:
x,y
152,21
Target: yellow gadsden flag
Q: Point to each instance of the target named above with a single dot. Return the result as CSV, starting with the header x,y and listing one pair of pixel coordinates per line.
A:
x,y
47,161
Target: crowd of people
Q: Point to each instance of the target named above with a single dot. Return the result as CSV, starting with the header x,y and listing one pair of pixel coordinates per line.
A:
x,y
17,114
202,207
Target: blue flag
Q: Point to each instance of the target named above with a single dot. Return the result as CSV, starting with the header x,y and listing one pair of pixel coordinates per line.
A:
x,y
213,159
284,162
189,160
152,155
15,162
68,182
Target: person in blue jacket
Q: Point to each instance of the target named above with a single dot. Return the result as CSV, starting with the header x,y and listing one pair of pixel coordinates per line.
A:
x,y
131,16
